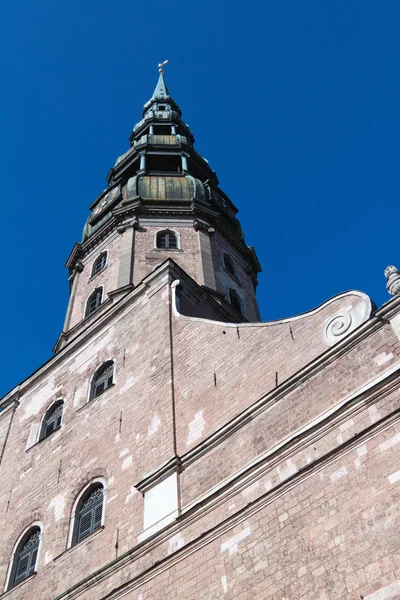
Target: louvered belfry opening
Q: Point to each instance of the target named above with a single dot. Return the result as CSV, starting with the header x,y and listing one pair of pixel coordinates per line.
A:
x,y
103,379
89,512
26,557
52,419
163,163
167,240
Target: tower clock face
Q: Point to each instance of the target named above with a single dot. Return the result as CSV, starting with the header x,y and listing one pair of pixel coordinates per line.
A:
x,y
100,206
106,200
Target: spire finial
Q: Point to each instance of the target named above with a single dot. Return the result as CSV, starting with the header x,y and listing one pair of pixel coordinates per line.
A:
x,y
392,275
161,65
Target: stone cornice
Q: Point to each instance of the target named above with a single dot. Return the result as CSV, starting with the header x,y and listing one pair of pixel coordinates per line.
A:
x,y
312,432
206,505
380,385
175,272
119,213
79,249
139,207
74,256
167,269
12,405
65,336
91,328
170,466
389,310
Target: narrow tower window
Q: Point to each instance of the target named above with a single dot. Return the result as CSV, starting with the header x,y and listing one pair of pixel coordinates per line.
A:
x,y
52,419
235,301
167,240
89,512
94,301
25,557
103,379
230,265
99,263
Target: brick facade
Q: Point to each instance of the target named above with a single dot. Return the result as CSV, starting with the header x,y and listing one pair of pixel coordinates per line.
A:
x,y
288,488
232,458
144,257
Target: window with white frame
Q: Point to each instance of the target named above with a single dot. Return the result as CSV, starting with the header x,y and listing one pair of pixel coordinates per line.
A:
x,y
167,240
25,557
99,264
102,380
88,512
52,419
94,301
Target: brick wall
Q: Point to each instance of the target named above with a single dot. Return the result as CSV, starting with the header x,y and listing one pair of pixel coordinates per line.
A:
x,y
147,257
86,284
242,284
118,436
296,499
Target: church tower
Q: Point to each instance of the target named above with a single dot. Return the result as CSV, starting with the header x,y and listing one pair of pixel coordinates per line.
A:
x,y
177,448
162,201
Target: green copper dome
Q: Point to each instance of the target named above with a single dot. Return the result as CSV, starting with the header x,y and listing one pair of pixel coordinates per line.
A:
x,y
164,188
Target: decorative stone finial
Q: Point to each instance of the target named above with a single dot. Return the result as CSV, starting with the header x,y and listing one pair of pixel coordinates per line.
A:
x,y
392,275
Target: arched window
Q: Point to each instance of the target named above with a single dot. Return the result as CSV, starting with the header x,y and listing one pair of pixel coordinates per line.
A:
x,y
103,379
167,239
99,263
89,512
235,301
94,301
25,557
52,419
230,265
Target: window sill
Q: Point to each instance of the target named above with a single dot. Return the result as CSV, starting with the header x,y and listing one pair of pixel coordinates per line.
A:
x,y
93,277
16,587
232,276
43,439
167,249
94,312
89,402
81,543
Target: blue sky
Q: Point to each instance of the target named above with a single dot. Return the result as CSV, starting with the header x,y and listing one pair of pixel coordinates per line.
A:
x,y
294,104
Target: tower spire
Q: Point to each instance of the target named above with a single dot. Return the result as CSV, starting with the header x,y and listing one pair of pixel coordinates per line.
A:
x,y
161,90
161,187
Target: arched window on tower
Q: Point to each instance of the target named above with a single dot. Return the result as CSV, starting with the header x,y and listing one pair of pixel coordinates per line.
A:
x,y
89,512
235,301
230,265
102,380
99,263
94,301
167,240
25,557
52,419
